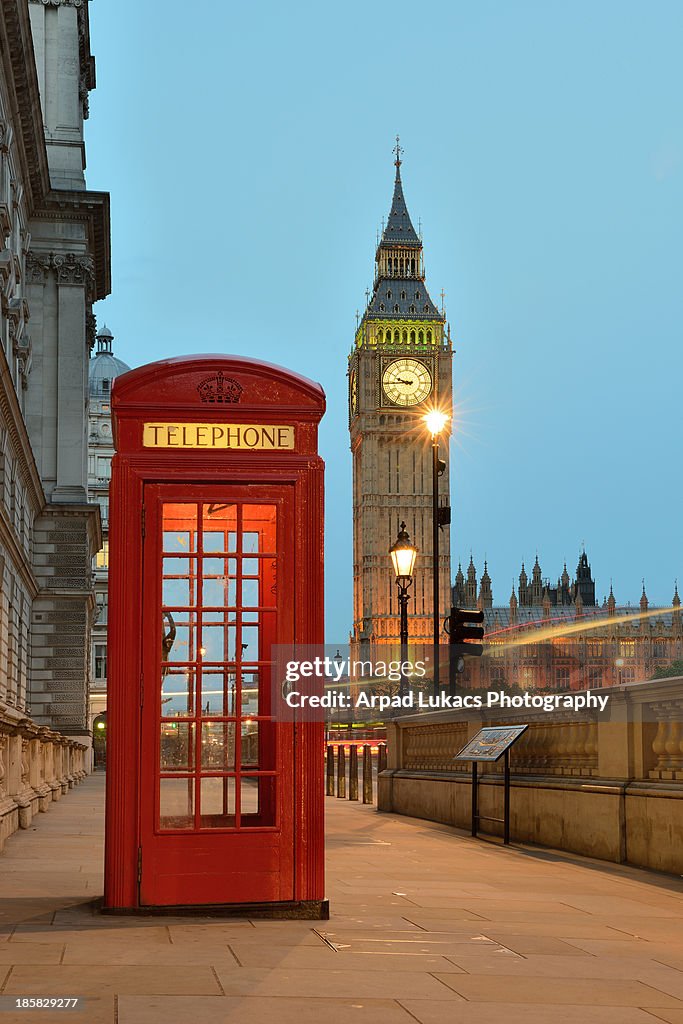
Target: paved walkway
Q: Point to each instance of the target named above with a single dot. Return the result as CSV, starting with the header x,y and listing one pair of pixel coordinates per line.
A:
x,y
427,925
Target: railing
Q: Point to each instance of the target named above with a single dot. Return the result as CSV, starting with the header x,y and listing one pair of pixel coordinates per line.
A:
x,y
336,756
609,785
37,766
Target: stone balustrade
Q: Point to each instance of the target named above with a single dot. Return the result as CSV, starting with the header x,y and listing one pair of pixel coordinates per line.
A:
x,y
608,785
37,766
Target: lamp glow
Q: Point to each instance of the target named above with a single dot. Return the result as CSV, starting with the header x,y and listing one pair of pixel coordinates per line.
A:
x,y
403,555
436,421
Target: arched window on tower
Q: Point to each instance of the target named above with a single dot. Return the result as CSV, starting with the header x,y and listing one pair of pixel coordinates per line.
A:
x,y
396,336
420,338
429,337
405,337
412,267
412,337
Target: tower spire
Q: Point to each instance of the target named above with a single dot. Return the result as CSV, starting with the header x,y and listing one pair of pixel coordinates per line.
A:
x,y
398,150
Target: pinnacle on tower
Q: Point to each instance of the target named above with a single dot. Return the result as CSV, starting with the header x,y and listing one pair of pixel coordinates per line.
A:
x,y
399,227
643,600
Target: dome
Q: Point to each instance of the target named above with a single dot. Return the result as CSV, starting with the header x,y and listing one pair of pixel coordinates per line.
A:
x,y
104,366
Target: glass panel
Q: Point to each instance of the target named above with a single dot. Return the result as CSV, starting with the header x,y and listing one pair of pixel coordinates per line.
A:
x,y
217,802
179,586
250,543
219,691
176,803
220,524
218,588
179,636
250,647
249,793
177,747
250,593
250,748
260,519
177,692
250,692
250,566
218,746
218,642
180,527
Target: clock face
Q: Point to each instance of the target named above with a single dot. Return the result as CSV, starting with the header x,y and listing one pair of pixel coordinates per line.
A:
x,y
407,382
353,388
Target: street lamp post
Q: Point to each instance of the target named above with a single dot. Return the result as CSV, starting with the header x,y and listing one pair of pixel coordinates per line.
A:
x,y
403,555
436,421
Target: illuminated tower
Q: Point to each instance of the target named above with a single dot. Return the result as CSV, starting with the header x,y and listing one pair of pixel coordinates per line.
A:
x,y
399,367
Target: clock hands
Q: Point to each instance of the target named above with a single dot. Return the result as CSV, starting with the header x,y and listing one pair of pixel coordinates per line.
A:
x,y
402,381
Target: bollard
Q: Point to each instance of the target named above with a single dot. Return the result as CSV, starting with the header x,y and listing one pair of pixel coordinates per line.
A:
x,y
341,772
367,774
329,790
353,772
381,757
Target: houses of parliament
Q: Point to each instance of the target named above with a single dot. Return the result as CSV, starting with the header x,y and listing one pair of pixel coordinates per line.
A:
x,y
560,637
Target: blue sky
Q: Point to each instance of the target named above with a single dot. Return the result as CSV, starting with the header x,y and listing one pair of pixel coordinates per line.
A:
x,y
248,152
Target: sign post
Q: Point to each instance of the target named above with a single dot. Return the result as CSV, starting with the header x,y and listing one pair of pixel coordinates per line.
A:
x,y
489,745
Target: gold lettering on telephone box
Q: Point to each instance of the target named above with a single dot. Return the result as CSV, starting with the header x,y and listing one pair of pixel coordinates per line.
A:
x,y
243,436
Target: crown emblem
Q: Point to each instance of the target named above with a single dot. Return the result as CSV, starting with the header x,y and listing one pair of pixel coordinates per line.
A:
x,y
219,389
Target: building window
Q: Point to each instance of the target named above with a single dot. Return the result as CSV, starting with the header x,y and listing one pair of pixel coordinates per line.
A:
x,y
594,648
105,385
627,649
102,556
100,661
562,678
103,467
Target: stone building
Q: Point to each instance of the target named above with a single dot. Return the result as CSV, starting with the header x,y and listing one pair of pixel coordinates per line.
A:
x,y
54,263
559,637
399,368
104,368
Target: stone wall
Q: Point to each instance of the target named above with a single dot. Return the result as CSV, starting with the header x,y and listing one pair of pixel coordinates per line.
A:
x,y
607,787
37,766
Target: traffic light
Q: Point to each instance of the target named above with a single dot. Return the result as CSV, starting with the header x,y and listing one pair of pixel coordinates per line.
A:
x,y
461,628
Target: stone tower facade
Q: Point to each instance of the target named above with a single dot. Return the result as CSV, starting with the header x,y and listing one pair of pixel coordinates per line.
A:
x,y
399,369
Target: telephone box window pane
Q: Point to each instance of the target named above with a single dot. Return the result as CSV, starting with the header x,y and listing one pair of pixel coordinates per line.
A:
x,y
217,802
180,527
220,525
250,746
176,803
177,692
257,801
179,636
218,642
177,747
250,566
250,648
250,593
250,692
219,692
260,519
179,582
250,543
249,793
218,746
218,587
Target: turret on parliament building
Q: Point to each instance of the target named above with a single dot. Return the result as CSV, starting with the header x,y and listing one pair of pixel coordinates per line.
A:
x,y
399,368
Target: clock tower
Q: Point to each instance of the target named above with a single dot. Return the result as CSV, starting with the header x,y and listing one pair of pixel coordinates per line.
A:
x,y
399,369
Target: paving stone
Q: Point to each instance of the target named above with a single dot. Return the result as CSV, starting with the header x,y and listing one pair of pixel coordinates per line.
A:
x,y
580,992
75,981
255,1009
435,1012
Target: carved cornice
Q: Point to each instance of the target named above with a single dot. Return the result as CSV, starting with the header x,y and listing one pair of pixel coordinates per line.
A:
x,y
69,268
91,209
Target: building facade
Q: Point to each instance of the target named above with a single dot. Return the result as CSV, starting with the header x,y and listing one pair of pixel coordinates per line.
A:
x,y
54,263
559,637
399,368
104,368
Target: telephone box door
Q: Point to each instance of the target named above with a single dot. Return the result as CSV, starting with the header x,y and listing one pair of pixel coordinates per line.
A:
x,y
217,823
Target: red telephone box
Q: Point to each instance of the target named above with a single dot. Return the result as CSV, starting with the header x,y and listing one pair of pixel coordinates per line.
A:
x,y
216,554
